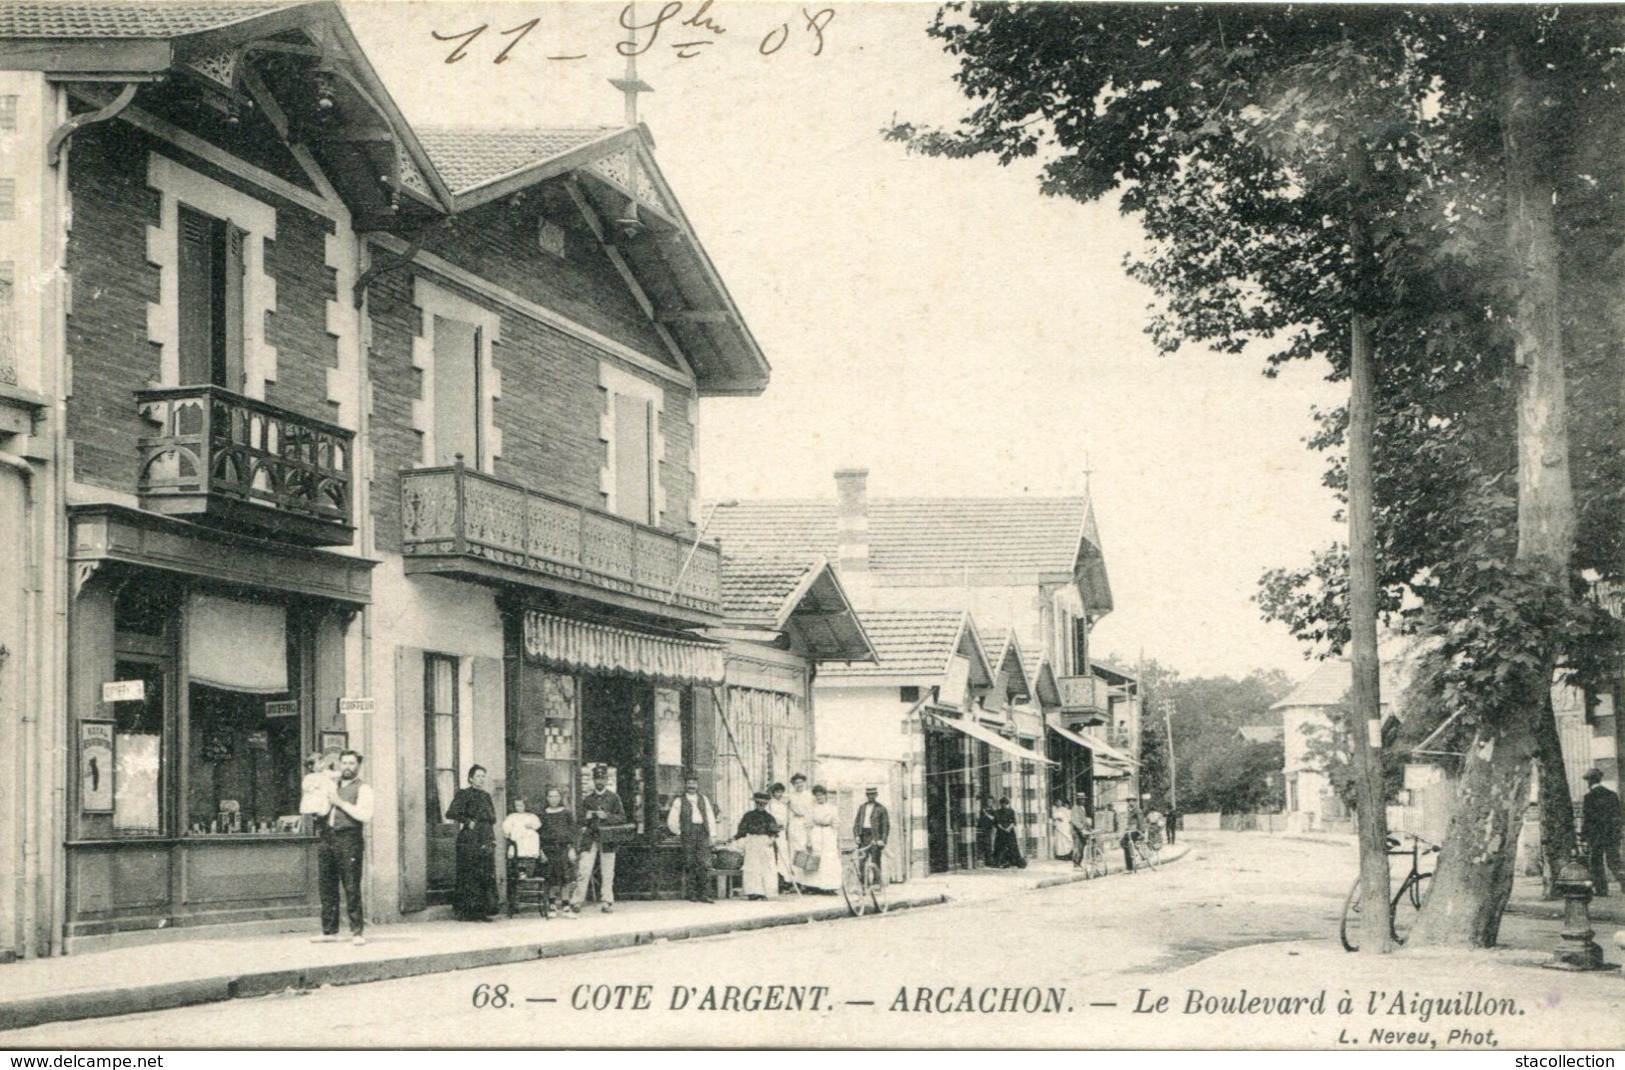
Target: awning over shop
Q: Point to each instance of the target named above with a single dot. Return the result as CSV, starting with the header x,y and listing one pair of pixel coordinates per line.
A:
x,y
606,648
992,739
1108,760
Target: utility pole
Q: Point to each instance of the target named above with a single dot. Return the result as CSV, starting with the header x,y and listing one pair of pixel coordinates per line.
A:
x,y
1167,705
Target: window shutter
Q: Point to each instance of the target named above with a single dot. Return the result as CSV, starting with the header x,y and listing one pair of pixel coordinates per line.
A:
x,y
231,357
196,298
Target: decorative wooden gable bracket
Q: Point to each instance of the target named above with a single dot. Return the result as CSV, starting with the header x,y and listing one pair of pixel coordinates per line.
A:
x,y
53,150
596,224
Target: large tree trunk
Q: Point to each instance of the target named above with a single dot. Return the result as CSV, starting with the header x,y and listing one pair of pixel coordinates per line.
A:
x,y
1475,871
1365,712
1556,804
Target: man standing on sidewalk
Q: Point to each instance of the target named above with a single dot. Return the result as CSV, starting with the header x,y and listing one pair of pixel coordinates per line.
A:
x,y
693,820
603,821
338,857
1600,828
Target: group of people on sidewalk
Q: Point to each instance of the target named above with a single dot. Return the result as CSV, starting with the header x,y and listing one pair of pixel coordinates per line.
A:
x,y
788,840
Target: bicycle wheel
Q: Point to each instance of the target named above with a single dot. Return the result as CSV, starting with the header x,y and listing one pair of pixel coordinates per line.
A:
x,y
877,886
852,887
1147,856
1349,931
1098,866
1406,905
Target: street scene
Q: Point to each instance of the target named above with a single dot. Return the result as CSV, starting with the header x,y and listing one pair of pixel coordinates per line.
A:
x,y
1078,965
1069,525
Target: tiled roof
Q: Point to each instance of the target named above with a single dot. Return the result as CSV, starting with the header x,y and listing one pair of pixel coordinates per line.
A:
x,y
469,156
124,18
1329,685
754,591
1020,535
907,642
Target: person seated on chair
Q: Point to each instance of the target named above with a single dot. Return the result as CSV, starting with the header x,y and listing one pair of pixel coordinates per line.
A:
x,y
521,829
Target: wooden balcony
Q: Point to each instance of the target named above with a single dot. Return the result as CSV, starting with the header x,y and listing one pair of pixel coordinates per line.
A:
x,y
1083,699
458,521
230,460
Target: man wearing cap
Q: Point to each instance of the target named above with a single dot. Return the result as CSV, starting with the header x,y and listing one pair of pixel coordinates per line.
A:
x,y
757,831
693,820
1083,829
603,819
1600,828
871,826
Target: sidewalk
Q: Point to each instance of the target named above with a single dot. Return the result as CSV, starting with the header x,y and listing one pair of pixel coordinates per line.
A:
x,y
161,976
1607,912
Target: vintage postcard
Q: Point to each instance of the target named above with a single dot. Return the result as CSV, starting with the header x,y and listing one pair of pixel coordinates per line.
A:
x,y
810,525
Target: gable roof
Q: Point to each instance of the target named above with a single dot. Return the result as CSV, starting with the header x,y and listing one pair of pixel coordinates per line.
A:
x,y
916,643
468,157
1042,674
130,19
1004,655
1329,685
804,600
1049,537
614,179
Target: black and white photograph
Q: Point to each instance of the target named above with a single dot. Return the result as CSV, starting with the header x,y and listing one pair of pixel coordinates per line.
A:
x,y
821,524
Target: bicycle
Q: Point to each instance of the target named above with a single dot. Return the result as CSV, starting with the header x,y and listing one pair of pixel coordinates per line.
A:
x,y
1146,856
1093,858
1407,902
862,884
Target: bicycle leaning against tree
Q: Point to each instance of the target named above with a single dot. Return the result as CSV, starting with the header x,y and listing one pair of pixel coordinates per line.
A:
x,y
1407,901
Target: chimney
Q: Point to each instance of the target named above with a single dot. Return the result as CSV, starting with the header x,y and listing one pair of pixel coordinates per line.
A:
x,y
852,522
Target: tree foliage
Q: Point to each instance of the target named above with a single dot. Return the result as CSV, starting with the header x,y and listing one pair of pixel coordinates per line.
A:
x,y
1468,143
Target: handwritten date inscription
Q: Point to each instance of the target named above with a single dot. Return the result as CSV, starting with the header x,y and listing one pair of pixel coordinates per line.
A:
x,y
687,35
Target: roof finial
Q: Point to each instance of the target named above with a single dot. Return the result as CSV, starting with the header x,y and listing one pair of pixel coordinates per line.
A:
x,y
631,85
1088,470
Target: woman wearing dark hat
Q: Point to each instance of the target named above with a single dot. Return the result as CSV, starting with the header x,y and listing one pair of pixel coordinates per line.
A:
x,y
757,831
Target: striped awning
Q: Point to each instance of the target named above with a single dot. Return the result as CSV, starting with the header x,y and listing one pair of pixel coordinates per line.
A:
x,y
597,647
1108,761
990,737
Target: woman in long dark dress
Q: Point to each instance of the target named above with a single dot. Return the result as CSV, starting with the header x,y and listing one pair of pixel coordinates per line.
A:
x,y
1006,848
474,894
559,834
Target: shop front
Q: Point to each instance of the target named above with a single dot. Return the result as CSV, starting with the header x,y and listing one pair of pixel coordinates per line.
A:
x,y
204,671
967,762
639,700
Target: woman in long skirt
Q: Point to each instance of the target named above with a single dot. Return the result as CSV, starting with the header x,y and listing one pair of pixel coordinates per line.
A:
x,y
474,892
559,835
824,841
757,831
779,807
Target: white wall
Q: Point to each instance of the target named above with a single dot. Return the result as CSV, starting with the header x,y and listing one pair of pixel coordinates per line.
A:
x,y
861,722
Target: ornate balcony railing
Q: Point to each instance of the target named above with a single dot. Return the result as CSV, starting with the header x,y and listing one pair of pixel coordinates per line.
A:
x,y
225,457
1083,695
457,514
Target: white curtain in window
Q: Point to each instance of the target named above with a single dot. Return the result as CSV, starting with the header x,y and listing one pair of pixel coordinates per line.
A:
x,y
238,646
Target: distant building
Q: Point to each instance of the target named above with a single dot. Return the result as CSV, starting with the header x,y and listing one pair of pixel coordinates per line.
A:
x,y
1013,586
1311,803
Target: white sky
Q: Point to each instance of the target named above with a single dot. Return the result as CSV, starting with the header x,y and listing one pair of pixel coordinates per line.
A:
x,y
935,321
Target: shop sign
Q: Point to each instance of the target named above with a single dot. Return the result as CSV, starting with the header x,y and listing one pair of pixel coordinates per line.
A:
x,y
355,707
96,767
285,708
124,691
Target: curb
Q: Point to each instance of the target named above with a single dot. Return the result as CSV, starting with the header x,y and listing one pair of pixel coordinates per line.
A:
x,y
110,1002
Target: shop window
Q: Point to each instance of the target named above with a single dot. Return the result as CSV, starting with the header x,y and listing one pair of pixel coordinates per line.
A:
x,y
137,754
211,300
243,722
672,744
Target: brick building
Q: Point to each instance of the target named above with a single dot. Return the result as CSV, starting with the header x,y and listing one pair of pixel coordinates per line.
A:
x,y
322,430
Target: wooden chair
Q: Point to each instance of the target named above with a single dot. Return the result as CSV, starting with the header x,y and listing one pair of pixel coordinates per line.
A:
x,y
524,891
